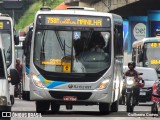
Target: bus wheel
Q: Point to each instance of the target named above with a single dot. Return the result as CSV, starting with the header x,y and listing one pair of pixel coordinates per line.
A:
x,y
12,99
42,106
114,106
55,107
104,108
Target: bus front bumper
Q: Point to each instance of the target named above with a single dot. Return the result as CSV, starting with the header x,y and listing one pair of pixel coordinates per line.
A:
x,y
96,96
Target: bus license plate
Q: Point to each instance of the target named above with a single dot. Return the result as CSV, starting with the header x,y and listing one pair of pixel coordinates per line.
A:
x,y
142,93
69,98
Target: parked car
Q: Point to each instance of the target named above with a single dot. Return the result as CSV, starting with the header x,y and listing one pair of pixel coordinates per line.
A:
x,y
149,76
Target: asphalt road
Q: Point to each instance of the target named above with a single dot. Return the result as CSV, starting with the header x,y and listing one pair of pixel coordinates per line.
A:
x,y
26,108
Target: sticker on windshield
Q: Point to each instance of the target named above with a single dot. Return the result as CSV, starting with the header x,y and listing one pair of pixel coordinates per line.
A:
x,y
77,35
66,67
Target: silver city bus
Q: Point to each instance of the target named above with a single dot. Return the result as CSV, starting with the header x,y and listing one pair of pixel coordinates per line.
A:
x,y
76,58
145,53
8,41
9,75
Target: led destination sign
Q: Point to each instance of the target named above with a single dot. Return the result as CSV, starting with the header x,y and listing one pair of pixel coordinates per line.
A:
x,y
84,21
5,24
73,21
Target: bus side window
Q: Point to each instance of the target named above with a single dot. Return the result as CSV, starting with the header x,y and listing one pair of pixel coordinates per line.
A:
x,y
118,40
2,75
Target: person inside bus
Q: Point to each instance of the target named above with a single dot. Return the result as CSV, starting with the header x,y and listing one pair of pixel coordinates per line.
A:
x,y
97,42
133,73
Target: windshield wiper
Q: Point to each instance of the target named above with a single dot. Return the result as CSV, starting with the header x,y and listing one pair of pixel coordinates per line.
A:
x,y
60,42
42,57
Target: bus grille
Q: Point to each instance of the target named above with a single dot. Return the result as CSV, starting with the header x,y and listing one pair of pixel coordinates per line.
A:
x,y
79,95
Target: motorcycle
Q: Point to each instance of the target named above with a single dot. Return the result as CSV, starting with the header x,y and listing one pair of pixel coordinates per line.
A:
x,y
131,85
155,97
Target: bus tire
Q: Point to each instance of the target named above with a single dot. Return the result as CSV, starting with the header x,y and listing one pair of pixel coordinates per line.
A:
x,y
104,108
42,106
114,106
55,107
12,99
154,109
26,95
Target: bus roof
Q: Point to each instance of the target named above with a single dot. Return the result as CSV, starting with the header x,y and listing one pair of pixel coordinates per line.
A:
x,y
145,40
117,18
4,17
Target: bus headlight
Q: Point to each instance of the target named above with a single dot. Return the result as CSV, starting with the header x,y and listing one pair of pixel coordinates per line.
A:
x,y
37,81
3,101
103,84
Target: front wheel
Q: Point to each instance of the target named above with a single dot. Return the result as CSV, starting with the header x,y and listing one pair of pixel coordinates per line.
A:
x,y
114,106
55,107
42,106
129,102
104,108
154,108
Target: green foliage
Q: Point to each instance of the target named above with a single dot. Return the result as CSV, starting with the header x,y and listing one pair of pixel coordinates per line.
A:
x,y
29,14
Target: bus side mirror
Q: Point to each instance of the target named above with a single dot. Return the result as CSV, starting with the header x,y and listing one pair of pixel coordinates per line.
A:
x,y
140,57
15,78
16,40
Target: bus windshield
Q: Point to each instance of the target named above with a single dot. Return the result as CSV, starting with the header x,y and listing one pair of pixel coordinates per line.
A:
x,y
151,54
6,41
72,51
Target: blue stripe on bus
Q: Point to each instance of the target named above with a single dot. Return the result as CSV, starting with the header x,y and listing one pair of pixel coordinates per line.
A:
x,y
52,84
41,78
27,70
55,84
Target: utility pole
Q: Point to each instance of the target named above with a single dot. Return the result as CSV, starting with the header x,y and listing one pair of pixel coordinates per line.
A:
x,y
42,2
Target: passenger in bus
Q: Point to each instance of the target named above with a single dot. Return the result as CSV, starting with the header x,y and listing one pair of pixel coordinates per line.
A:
x,y
97,42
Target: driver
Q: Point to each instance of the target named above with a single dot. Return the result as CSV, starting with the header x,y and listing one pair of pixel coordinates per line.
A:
x,y
133,73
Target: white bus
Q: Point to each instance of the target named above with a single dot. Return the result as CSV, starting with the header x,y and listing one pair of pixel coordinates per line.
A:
x,y
145,53
76,59
26,62
8,41
6,58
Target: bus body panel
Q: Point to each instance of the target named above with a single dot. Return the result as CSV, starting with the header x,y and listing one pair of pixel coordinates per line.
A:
x,y
4,83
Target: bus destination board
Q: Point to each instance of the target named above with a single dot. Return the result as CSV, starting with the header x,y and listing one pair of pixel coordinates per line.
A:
x,y
77,21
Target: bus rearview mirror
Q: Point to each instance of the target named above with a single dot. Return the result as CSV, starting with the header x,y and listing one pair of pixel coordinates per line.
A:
x,y
16,40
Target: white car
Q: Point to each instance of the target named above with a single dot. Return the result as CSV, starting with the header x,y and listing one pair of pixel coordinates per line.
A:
x,y
149,76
